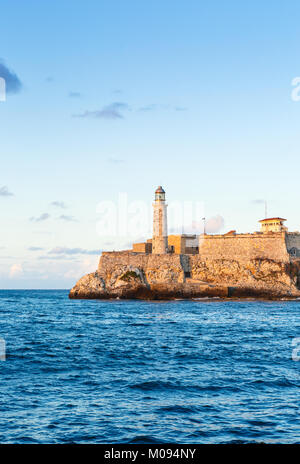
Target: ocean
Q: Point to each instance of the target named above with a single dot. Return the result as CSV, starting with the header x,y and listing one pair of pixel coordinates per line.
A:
x,y
202,371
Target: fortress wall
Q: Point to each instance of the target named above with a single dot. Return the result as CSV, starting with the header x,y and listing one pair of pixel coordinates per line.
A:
x,y
162,268
252,259
172,271
157,268
244,247
293,242
111,259
144,247
254,273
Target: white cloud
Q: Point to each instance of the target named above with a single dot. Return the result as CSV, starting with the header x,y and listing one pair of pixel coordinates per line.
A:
x,y
214,224
73,251
4,192
13,83
86,265
16,270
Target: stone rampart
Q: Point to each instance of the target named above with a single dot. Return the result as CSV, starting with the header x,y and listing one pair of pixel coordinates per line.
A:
x,y
261,265
244,247
293,244
156,268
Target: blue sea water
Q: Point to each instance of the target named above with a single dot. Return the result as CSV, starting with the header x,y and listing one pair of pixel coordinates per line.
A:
x,y
79,371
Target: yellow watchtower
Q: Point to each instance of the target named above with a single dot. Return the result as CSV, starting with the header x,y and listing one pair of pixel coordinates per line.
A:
x,y
273,225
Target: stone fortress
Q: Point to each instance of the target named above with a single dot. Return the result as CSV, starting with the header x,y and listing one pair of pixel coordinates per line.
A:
x,y
261,264
256,245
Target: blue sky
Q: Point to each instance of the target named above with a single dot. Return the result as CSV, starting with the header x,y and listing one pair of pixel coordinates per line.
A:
x,y
122,96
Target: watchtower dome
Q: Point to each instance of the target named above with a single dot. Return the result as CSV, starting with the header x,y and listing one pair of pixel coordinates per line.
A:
x,y
160,224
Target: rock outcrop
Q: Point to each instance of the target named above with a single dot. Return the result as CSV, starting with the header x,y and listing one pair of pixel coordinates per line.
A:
x,y
146,276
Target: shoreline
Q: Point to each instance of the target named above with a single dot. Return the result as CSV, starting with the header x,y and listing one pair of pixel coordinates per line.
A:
x,y
204,298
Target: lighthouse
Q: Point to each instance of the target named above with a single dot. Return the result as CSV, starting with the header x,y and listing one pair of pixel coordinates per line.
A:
x,y
160,225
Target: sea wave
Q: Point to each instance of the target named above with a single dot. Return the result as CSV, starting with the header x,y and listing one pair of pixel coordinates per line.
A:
x,y
147,372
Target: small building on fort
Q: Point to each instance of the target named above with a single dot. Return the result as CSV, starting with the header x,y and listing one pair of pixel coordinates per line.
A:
x,y
273,225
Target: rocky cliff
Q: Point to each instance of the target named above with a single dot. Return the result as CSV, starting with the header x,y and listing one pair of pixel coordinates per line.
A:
x,y
147,276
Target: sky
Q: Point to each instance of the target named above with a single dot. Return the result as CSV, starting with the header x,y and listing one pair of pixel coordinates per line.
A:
x,y
106,100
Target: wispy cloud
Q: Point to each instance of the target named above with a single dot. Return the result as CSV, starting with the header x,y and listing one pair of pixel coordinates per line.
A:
x,y
73,251
12,81
151,107
75,94
157,107
112,111
42,217
59,258
59,204
259,201
116,110
115,161
35,248
64,217
4,192
180,108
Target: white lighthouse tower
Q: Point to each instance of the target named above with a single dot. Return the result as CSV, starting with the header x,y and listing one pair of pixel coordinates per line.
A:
x,y
160,225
